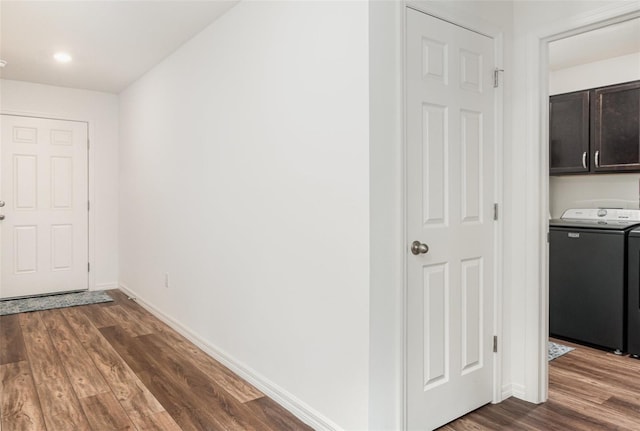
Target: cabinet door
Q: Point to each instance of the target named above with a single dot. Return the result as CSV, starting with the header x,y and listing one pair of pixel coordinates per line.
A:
x,y
615,126
569,133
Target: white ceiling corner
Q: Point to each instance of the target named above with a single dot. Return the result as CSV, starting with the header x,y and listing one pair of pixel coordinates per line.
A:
x,y
607,42
112,43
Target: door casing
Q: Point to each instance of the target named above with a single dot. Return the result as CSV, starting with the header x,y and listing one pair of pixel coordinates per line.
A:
x,y
536,335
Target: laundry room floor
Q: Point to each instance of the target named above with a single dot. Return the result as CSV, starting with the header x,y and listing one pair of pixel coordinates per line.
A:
x,y
589,389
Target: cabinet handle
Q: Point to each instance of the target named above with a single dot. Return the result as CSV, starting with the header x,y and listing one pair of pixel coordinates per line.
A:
x,y
584,160
597,158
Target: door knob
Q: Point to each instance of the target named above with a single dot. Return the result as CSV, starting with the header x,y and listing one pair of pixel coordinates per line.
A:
x,y
1,204
1,217
419,248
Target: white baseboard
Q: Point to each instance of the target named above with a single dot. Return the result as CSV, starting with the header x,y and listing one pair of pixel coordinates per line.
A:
x,y
518,391
298,408
105,286
507,391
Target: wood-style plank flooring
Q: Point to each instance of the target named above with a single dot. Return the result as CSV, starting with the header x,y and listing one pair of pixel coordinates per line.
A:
x,y
589,390
114,366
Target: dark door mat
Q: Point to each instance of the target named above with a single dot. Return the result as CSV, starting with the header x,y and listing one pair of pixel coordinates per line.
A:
x,y
23,305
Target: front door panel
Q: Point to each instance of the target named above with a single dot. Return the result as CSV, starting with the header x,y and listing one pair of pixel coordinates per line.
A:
x,y
44,233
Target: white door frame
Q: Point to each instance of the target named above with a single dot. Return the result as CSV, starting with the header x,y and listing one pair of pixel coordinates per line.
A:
x,y
477,25
91,283
537,49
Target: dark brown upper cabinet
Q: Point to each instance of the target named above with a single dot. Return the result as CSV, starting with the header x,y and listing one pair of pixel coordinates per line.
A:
x,y
569,133
615,125
596,130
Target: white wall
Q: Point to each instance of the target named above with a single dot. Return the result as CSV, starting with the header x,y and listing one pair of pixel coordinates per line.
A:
x,y
597,74
100,110
593,191
580,191
525,248
244,175
386,215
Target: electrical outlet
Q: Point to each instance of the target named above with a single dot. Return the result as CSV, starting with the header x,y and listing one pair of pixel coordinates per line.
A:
x,y
166,280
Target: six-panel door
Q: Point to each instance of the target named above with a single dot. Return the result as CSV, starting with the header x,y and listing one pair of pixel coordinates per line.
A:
x,y
44,233
450,196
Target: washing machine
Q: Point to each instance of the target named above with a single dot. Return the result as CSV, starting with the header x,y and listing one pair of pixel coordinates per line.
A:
x,y
588,276
633,318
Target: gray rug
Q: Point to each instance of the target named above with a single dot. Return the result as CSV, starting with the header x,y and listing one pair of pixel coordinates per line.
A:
x,y
556,350
14,306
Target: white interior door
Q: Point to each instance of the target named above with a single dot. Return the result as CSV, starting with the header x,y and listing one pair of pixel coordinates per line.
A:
x,y
43,184
450,186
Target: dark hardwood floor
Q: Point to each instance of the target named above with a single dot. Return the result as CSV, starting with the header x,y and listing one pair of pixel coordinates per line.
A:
x,y
589,390
114,366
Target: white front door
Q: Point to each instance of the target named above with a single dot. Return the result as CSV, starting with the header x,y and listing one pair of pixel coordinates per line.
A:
x,y
43,190
450,196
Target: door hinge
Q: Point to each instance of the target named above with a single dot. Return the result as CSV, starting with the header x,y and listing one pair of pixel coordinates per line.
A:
x,y
495,344
88,205
88,143
548,237
88,266
496,77
495,211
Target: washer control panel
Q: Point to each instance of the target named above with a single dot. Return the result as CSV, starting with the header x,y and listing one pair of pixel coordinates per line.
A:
x,y
602,214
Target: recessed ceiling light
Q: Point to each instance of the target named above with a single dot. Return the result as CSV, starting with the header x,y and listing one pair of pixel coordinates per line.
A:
x,y
3,63
62,57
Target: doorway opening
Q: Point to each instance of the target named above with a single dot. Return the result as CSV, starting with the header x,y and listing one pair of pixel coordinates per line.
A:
x,y
582,67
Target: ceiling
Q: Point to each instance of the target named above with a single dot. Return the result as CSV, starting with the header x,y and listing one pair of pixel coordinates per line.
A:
x,y
112,43
115,42
607,42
